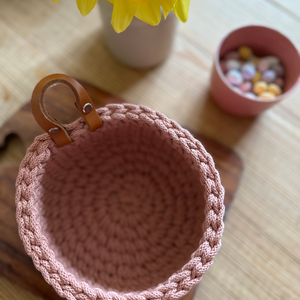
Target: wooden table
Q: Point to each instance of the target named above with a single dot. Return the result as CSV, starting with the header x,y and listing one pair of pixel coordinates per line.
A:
x,y
260,256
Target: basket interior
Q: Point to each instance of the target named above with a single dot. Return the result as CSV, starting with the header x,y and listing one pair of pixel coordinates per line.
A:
x,y
121,208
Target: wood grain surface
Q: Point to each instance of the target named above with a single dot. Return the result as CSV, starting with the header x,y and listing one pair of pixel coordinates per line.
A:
x,y
260,256
15,265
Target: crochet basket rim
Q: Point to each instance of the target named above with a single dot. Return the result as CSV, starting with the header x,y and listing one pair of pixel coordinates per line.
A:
x,y
178,284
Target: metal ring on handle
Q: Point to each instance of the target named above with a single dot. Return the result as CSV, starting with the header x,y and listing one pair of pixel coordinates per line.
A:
x,y
83,102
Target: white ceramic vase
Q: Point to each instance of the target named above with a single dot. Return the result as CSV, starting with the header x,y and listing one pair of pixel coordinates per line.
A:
x,y
140,46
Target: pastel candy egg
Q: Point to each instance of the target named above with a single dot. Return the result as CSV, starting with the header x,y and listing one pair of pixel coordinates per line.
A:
x,y
274,89
223,66
279,70
260,87
245,52
268,76
266,95
232,55
248,71
250,95
232,64
234,77
273,60
257,77
246,86
263,65
280,82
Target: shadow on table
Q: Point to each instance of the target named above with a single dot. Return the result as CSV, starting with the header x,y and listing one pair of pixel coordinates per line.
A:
x,y
220,124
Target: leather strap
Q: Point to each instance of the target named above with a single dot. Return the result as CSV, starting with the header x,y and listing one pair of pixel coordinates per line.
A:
x,y
83,102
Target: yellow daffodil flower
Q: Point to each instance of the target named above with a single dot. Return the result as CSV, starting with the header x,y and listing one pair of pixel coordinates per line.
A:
x,y
148,11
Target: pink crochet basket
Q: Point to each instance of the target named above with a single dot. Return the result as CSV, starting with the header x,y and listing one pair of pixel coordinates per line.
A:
x,y
131,210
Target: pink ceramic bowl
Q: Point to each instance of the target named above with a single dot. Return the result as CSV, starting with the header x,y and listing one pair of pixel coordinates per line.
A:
x,y
264,41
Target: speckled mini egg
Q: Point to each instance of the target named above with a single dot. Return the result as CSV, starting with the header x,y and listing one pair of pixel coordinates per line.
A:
x,y
273,60
266,96
268,76
274,89
257,77
234,77
245,86
232,64
263,65
260,87
245,52
248,71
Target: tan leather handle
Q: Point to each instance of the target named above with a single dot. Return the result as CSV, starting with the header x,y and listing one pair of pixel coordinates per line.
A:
x,y
83,102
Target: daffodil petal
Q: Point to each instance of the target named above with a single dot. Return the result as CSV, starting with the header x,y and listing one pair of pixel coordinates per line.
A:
x,y
165,13
181,9
167,5
123,12
150,12
86,6
55,1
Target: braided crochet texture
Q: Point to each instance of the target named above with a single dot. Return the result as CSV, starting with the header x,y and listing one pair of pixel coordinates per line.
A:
x,y
118,214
